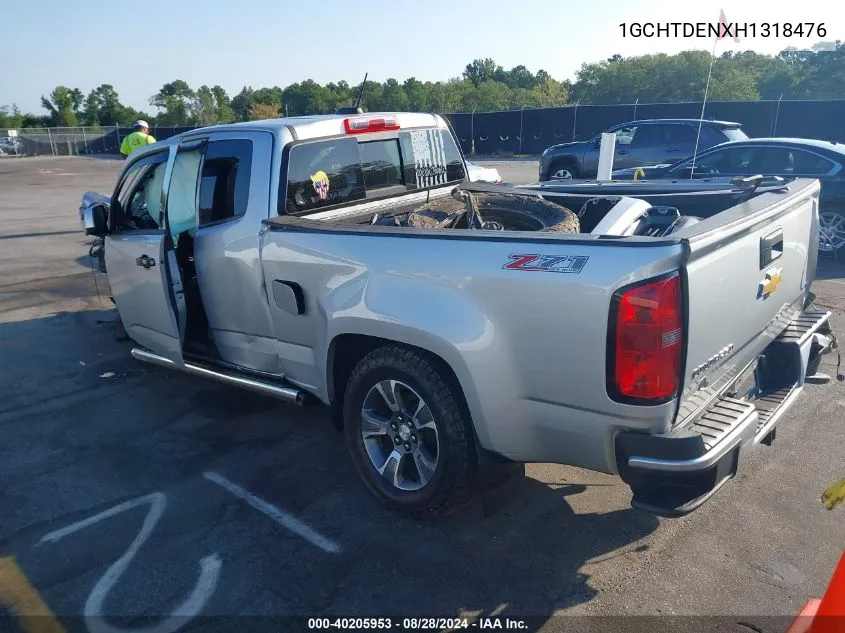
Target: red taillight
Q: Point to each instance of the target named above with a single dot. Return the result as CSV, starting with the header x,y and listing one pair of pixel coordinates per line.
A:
x,y
359,125
647,341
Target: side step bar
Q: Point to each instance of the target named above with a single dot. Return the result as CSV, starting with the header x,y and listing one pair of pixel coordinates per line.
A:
x,y
288,394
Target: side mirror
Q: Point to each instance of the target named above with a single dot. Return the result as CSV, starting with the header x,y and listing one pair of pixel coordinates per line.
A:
x,y
94,220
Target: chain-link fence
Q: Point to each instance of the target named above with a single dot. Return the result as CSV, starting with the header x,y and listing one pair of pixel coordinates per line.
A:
x,y
62,141
72,141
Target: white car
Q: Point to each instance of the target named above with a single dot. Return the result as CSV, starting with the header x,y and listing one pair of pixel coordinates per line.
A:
x,y
478,173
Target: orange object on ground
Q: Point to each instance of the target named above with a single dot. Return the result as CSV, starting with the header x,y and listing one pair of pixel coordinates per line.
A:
x,y
828,614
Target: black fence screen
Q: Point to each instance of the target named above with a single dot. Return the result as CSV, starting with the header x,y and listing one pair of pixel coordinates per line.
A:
x,y
530,131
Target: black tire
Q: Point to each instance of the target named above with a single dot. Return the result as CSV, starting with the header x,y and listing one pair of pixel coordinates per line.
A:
x,y
451,486
564,163
515,212
553,217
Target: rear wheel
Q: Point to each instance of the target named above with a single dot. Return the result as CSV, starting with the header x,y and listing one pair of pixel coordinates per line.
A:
x,y
832,231
409,433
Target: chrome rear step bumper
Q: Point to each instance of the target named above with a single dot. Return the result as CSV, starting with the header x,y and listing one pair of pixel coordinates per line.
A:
x,y
674,473
289,394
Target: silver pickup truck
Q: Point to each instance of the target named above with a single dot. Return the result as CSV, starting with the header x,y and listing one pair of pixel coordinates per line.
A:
x,y
449,324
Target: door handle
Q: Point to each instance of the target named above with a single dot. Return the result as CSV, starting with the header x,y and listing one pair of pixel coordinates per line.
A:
x,y
671,149
771,247
623,152
145,261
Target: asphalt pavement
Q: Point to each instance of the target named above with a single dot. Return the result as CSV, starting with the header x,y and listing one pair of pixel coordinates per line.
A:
x,y
127,490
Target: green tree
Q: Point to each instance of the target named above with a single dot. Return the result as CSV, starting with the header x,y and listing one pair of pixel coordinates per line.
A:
x,y
341,94
393,97
63,104
488,96
103,107
242,102
417,95
259,111
176,103
204,107
212,106
308,97
815,73
373,92
516,77
824,74
549,93
35,121
480,70
223,105
11,117
661,78
455,93
773,76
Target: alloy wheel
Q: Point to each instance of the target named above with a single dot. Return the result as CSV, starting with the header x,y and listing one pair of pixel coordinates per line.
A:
x,y
400,435
831,231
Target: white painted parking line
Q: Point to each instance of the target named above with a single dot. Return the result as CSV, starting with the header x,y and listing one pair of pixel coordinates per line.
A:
x,y
281,517
188,609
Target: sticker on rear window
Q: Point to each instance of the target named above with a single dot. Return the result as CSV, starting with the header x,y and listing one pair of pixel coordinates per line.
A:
x,y
548,263
429,158
320,181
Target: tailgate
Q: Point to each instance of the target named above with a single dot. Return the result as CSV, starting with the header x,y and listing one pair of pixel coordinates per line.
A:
x,y
748,271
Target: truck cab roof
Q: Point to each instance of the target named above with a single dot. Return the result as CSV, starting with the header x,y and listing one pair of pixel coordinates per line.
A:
x,y
318,125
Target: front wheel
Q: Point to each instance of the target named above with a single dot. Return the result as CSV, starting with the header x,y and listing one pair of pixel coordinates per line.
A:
x,y
409,433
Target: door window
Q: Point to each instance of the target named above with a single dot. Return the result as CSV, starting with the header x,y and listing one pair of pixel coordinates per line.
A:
x,y
625,135
182,194
771,160
646,135
679,134
224,185
809,164
731,160
138,198
144,207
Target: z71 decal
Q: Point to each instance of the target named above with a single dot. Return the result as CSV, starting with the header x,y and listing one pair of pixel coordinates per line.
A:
x,y
548,263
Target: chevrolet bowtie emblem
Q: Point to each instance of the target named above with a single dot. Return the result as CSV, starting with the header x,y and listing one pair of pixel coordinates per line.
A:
x,y
770,283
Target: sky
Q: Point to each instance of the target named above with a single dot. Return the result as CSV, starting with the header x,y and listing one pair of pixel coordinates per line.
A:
x,y
139,46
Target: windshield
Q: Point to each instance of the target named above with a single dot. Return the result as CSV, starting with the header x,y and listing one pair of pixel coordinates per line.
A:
x,y
734,134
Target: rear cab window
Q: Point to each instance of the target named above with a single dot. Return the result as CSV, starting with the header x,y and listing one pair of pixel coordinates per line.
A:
x,y
338,171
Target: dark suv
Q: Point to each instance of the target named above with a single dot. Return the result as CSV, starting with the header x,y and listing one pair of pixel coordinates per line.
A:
x,y
648,142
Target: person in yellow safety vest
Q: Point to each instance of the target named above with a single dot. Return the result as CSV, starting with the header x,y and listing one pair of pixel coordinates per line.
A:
x,y
138,139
